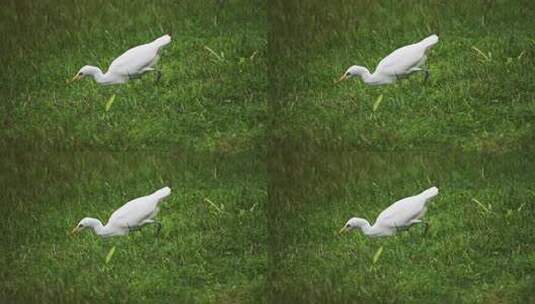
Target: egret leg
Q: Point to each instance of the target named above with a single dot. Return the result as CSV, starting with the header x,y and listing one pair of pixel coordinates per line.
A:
x,y
426,227
133,228
426,75
158,76
158,229
134,76
152,222
413,222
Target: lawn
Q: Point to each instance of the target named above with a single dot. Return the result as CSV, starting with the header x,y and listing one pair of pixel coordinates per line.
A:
x,y
266,156
344,150
479,96
203,254
203,102
480,247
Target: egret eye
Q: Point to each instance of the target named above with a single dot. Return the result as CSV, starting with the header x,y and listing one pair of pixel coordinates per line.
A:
x,y
81,74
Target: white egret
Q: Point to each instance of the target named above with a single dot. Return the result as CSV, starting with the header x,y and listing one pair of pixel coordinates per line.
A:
x,y
400,63
130,64
400,215
131,216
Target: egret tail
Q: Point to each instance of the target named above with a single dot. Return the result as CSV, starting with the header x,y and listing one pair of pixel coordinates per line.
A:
x,y
162,193
429,193
162,41
430,41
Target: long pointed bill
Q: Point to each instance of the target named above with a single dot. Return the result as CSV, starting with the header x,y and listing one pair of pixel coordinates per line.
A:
x,y
76,77
344,229
344,77
75,230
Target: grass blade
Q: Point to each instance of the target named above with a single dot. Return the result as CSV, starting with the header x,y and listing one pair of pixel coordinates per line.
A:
x,y
481,53
481,205
213,205
213,53
110,254
377,255
110,102
377,102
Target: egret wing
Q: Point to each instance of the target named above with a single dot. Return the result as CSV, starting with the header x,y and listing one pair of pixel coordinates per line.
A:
x,y
401,212
404,59
133,212
134,60
401,60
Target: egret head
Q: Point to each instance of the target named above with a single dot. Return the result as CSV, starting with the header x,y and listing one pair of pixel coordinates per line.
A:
x,y
86,222
352,71
85,71
353,223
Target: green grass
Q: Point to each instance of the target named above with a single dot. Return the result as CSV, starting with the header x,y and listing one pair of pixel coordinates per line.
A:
x,y
470,102
260,129
202,102
333,156
471,254
202,254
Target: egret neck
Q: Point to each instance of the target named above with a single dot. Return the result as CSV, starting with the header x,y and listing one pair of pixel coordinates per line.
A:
x,y
364,73
99,76
367,77
363,225
97,226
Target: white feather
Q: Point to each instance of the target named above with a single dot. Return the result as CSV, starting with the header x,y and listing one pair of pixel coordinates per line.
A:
x,y
132,215
400,215
132,63
398,64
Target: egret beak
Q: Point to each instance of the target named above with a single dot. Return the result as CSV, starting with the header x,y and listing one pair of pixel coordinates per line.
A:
x,y
76,77
344,77
344,229
75,230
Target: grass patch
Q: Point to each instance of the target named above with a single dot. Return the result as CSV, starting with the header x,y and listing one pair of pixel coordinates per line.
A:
x,y
266,157
200,103
202,255
472,102
469,255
